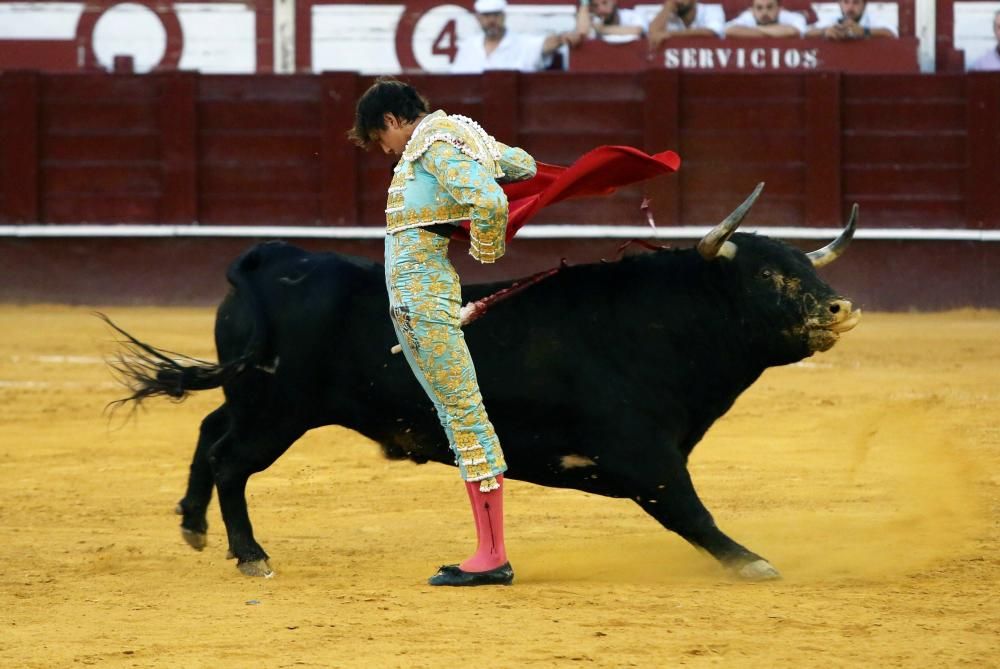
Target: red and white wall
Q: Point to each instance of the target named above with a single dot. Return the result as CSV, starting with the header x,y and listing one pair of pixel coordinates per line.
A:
x,y
321,35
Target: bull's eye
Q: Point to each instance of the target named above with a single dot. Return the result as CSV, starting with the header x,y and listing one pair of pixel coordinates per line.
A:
x,y
766,274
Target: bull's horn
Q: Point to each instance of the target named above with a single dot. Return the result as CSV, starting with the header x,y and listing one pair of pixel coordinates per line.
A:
x,y
712,242
832,251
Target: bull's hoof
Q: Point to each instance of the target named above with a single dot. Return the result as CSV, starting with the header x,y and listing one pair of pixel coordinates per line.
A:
x,y
230,555
758,570
256,568
196,540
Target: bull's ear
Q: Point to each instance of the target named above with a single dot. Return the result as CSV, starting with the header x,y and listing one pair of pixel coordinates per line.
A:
x,y
717,238
727,250
832,251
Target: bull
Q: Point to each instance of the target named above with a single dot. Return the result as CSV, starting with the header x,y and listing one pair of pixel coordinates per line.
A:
x,y
602,377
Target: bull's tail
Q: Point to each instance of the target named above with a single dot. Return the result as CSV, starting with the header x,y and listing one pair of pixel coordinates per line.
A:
x,y
147,371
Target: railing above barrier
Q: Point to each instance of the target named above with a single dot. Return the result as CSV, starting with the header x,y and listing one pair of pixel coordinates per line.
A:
x,y
565,231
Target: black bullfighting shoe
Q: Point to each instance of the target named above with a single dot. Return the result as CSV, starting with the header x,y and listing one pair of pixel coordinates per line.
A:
x,y
450,574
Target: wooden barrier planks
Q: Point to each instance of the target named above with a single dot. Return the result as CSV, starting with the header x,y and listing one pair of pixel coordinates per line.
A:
x,y
100,149
19,163
256,167
982,169
255,150
924,118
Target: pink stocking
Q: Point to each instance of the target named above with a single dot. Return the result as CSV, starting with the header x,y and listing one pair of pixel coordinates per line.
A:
x,y
487,509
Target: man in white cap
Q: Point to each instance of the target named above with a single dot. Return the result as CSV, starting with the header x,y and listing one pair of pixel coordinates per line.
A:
x,y
498,48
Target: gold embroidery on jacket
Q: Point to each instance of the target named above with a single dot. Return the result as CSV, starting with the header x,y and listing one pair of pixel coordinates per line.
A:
x,y
463,137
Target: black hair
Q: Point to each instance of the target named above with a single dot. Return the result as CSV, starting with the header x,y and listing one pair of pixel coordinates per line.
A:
x,y
385,96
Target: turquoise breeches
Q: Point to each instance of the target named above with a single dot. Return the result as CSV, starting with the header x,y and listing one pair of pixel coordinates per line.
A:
x,y
425,298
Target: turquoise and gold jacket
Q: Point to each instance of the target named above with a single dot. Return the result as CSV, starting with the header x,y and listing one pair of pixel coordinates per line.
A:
x,y
450,171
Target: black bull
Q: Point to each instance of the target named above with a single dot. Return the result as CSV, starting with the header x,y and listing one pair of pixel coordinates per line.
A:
x,y
602,377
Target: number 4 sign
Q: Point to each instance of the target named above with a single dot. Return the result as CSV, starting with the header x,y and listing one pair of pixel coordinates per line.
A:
x,y
446,43
428,40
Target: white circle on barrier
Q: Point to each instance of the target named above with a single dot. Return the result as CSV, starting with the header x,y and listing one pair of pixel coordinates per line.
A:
x,y
130,29
437,34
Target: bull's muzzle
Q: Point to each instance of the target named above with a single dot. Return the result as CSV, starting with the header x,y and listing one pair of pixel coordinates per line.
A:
x,y
845,316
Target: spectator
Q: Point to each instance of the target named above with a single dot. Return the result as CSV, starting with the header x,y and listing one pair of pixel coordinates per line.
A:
x,y
686,18
853,23
990,61
766,18
500,49
604,18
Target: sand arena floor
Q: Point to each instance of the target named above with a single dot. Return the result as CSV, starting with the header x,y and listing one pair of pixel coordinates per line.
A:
x,y
869,475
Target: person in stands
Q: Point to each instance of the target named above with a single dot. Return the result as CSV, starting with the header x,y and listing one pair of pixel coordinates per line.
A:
x,y
499,48
686,18
853,23
605,19
990,61
766,18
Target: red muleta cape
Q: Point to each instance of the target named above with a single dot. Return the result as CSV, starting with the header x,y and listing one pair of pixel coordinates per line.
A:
x,y
597,172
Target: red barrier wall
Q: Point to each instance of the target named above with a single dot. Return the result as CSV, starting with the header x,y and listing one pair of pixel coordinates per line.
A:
x,y
268,150
181,148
